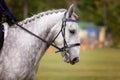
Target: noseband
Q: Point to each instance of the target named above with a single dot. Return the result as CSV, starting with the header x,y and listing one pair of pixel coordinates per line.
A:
x,y
66,46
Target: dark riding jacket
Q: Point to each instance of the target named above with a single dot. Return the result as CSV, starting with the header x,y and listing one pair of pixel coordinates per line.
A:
x,y
6,12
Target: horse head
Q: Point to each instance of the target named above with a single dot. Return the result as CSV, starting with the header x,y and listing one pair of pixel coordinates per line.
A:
x,y
67,37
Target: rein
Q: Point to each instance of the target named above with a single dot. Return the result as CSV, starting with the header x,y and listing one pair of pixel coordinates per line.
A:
x,y
66,46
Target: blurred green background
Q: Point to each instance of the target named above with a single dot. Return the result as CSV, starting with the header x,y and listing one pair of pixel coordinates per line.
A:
x,y
98,64
95,64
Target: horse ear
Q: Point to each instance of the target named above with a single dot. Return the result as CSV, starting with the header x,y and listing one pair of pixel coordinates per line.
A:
x,y
70,11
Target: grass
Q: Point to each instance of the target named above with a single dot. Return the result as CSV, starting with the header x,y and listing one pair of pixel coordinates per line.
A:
x,y
99,64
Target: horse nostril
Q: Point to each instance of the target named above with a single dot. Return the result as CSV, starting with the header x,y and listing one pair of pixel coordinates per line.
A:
x,y
76,59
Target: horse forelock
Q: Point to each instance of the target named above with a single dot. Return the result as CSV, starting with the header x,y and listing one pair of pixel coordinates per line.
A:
x,y
40,15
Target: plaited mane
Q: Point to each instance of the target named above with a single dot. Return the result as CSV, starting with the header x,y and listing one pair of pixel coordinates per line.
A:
x,y
39,15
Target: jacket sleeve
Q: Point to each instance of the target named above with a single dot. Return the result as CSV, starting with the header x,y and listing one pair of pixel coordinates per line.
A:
x,y
7,12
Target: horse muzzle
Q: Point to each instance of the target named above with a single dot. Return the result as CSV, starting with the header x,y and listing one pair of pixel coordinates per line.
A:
x,y
75,60
70,60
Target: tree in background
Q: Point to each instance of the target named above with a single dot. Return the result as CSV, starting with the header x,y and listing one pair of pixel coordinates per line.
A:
x,y
113,19
23,8
26,8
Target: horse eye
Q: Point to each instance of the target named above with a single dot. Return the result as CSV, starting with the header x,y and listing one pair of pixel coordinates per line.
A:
x,y
72,31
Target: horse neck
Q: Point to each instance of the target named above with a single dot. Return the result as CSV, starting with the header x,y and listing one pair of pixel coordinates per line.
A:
x,y
42,27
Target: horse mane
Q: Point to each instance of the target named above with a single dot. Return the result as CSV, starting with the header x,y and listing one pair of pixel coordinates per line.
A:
x,y
40,15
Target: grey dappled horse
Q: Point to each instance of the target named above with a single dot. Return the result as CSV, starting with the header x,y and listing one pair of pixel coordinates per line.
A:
x,y
21,53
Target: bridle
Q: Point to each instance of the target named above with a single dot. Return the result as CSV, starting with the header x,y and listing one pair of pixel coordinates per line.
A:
x,y
66,46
